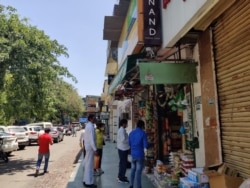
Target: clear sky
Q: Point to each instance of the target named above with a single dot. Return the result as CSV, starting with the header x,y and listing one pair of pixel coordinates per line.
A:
x,y
78,25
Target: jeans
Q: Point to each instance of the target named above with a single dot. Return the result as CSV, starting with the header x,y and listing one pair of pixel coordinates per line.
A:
x,y
123,155
40,158
136,172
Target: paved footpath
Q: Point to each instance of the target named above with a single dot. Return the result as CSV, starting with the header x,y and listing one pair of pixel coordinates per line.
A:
x,y
110,166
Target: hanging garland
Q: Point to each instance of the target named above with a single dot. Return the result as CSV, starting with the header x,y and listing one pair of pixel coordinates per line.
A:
x,y
162,104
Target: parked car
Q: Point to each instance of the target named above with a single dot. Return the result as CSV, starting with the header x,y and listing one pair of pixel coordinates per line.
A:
x,y
67,130
76,125
60,127
56,134
34,132
18,131
9,144
43,125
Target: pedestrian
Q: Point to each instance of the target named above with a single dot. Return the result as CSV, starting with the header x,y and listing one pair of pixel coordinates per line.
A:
x,y
99,144
137,142
73,131
44,140
81,142
123,151
91,150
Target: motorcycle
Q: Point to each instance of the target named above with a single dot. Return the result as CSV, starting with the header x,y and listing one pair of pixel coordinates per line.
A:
x,y
3,155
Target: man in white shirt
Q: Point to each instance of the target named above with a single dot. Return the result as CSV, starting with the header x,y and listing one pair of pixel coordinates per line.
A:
x,y
123,150
91,150
81,142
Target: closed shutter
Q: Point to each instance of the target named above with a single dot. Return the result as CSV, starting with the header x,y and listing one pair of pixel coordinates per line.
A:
x,y
232,58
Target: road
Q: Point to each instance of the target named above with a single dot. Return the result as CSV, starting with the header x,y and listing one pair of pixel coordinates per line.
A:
x,y
19,171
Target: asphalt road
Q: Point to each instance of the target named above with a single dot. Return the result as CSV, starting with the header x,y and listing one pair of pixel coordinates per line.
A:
x,y
19,171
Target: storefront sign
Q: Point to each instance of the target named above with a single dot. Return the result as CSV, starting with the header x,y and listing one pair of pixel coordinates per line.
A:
x,y
152,23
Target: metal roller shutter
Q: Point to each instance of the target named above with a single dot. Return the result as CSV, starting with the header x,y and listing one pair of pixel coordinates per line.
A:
x,y
232,58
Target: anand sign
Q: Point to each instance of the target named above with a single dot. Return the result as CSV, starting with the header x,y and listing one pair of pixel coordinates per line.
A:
x,y
152,23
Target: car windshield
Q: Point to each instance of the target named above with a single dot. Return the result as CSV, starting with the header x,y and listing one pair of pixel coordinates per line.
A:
x,y
17,129
37,128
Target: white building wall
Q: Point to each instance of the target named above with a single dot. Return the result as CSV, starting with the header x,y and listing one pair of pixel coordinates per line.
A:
x,y
198,117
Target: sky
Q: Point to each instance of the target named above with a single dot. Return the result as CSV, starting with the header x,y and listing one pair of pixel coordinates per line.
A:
x,y
78,25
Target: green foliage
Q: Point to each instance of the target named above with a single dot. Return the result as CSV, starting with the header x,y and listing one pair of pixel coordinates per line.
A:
x,y
31,85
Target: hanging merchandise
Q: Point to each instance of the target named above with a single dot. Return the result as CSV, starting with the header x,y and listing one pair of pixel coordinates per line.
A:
x,y
149,117
176,102
142,108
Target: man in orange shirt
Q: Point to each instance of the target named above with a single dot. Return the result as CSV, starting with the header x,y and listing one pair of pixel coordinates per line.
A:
x,y
44,140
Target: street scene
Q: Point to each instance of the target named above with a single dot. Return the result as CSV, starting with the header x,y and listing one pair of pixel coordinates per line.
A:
x,y
125,93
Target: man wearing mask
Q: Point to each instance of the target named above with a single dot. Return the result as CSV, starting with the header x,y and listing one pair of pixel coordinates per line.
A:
x,y
91,150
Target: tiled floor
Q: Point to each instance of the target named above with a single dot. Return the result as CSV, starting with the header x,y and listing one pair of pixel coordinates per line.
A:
x,y
110,167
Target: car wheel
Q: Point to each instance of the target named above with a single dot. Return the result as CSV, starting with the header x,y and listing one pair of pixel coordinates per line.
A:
x,y
8,153
21,147
57,140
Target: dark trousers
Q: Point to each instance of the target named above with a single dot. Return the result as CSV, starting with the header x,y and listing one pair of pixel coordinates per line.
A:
x,y
123,155
100,155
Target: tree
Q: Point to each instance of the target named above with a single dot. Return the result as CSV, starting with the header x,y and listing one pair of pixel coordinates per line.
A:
x,y
29,69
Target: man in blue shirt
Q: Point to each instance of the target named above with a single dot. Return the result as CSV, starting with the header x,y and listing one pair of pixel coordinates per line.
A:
x,y
137,142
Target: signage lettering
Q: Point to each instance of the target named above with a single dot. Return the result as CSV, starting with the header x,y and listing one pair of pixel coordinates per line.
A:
x,y
152,23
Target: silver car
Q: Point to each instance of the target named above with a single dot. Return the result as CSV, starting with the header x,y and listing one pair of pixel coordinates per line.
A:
x,y
34,132
9,143
19,132
56,134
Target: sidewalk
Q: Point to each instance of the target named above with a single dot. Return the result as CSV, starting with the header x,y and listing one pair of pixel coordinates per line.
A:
x,y
110,163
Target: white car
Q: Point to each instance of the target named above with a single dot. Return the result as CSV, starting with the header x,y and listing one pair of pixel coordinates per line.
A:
x,y
34,132
9,144
19,132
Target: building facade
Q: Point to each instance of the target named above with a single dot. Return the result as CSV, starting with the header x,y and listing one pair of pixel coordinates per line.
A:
x,y
187,69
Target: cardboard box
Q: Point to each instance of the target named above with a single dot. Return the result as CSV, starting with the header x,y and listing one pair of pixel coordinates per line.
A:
x,y
187,183
217,180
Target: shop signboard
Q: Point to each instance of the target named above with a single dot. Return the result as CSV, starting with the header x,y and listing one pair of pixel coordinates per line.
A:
x,y
152,23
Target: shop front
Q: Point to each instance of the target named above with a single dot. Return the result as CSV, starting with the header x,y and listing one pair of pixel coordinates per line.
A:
x,y
169,109
232,56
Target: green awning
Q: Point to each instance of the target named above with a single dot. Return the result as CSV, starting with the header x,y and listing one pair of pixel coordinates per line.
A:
x,y
124,70
167,73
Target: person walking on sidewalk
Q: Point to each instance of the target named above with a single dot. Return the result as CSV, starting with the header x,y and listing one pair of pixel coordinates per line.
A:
x,y
123,150
44,140
99,144
91,150
138,142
